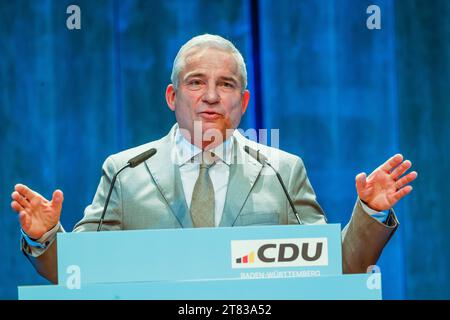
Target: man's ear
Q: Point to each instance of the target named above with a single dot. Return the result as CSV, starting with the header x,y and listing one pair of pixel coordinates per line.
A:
x,y
170,97
245,100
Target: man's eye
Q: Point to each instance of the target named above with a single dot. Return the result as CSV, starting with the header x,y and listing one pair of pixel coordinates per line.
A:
x,y
228,85
194,82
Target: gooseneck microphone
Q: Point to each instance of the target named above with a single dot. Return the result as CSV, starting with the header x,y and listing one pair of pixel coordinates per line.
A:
x,y
264,161
133,162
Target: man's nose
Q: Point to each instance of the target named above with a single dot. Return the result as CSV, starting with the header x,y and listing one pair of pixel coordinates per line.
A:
x,y
211,95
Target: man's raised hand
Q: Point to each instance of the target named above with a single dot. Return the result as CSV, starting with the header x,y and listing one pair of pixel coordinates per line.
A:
x,y
37,215
386,185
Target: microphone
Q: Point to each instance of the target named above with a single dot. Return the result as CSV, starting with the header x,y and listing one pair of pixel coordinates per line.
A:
x,y
133,162
264,161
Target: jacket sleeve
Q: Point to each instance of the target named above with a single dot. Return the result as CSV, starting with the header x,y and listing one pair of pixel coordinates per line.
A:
x,y
364,238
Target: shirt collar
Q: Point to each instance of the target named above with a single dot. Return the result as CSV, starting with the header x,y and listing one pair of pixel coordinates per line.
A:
x,y
185,151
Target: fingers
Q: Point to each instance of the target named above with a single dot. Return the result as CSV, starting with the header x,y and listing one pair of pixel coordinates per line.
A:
x,y
25,191
24,220
16,206
401,169
406,179
361,186
402,192
57,199
360,181
392,163
18,198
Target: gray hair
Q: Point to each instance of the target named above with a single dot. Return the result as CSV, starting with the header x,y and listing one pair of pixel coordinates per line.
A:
x,y
207,41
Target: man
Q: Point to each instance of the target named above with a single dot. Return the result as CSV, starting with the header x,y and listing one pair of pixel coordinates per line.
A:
x,y
207,179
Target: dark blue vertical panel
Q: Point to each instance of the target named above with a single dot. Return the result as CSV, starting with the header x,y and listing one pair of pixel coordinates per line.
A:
x,y
256,59
24,130
116,47
56,101
423,59
327,85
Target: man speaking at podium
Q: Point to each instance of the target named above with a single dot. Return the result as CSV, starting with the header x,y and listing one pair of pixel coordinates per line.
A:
x,y
207,174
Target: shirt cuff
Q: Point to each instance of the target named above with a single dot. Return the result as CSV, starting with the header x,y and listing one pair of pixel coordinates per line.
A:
x,y
43,242
379,215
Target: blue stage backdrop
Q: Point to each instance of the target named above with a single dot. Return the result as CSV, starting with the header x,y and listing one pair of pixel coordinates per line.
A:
x,y
344,97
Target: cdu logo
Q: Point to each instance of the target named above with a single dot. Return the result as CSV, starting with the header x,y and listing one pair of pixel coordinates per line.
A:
x,y
249,258
300,252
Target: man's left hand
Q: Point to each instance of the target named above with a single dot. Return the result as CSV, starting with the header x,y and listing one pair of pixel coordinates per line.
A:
x,y
386,185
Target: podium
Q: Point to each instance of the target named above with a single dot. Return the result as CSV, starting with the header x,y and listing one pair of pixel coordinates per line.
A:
x,y
238,263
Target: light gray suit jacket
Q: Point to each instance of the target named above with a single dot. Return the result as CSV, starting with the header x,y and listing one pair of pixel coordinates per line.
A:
x,y
151,196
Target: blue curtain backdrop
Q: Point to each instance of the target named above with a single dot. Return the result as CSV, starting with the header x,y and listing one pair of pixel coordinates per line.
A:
x,y
344,97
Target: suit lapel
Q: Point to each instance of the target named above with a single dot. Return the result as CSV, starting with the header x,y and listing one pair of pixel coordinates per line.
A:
x,y
166,174
244,171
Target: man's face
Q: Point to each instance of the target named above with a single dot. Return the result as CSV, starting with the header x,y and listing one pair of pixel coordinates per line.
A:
x,y
209,91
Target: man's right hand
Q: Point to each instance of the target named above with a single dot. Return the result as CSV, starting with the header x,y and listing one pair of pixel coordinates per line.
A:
x,y
37,215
